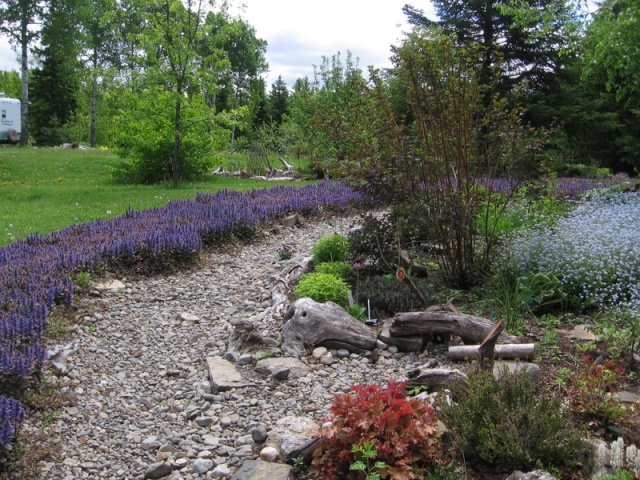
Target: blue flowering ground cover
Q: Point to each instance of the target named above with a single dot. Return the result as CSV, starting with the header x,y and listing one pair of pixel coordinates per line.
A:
x,y
594,251
35,273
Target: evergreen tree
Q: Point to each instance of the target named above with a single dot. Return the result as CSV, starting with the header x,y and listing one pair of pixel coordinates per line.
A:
x,y
55,85
278,101
17,20
528,37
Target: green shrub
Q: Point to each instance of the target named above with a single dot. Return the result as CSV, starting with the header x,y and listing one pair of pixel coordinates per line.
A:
x,y
332,248
341,270
322,287
505,425
374,242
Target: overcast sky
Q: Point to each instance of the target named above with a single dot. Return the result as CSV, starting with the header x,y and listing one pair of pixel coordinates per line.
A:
x,y
300,32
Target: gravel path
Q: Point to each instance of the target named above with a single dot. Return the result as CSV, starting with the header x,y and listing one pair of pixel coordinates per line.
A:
x,y
137,367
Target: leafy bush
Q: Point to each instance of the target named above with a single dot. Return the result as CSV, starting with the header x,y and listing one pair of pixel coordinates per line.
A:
x,y
591,391
322,287
402,430
505,425
620,329
374,242
146,141
332,248
341,270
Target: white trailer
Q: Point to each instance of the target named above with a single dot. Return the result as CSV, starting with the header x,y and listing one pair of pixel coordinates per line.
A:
x,y
10,119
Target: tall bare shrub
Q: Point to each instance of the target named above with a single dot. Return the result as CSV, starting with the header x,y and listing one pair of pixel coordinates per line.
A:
x,y
441,158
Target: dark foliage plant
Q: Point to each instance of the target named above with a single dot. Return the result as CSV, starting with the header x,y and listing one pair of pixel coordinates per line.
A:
x,y
505,425
386,295
35,273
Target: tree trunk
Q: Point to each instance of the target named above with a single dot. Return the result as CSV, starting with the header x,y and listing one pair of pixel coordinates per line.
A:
x,y
94,103
24,135
175,157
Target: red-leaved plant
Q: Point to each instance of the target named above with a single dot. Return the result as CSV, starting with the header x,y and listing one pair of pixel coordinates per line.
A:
x,y
403,430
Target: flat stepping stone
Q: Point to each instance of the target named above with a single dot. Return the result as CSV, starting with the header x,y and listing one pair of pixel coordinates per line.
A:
x,y
260,470
224,376
627,397
579,332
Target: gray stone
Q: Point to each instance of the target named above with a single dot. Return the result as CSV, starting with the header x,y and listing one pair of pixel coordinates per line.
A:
x,y
259,434
221,471
500,367
202,465
245,359
296,367
281,374
231,356
224,376
260,470
204,421
319,352
158,470
535,475
150,443
342,353
291,433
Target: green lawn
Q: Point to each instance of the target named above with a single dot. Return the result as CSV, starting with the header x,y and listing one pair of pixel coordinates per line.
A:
x,y
42,190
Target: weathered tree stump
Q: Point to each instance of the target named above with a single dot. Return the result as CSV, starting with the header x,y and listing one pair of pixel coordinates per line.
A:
x,y
309,324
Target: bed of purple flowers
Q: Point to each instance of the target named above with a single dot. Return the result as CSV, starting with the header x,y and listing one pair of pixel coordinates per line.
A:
x,y
35,273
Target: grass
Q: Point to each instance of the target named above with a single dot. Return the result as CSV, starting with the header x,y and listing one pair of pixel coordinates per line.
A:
x,y
43,190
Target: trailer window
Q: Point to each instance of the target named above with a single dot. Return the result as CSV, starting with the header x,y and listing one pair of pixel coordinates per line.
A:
x,y
4,114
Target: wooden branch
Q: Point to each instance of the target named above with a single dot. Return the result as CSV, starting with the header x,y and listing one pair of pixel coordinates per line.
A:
x,y
471,329
520,351
401,275
286,165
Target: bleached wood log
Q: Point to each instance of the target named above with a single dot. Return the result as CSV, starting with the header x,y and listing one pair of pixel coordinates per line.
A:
x,y
309,324
280,291
471,329
520,351
287,166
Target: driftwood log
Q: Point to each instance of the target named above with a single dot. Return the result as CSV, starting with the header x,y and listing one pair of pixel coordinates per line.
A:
x,y
280,291
518,351
309,324
437,378
446,321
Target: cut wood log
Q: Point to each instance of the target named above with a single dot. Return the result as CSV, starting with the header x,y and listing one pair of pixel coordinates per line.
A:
x,y
309,324
519,351
471,329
